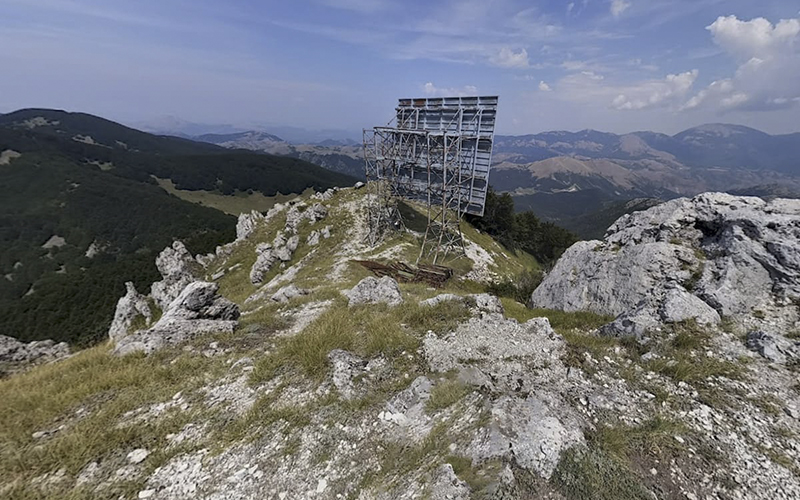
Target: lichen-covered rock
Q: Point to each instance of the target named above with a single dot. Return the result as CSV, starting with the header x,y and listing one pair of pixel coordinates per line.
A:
x,y
675,305
178,268
317,234
17,356
198,309
773,347
131,306
593,276
372,290
679,305
199,300
731,253
289,292
528,432
480,302
447,486
344,368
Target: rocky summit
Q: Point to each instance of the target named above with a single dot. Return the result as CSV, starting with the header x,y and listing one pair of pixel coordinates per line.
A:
x,y
659,363
707,258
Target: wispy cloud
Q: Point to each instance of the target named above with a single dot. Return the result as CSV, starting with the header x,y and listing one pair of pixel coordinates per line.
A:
x,y
362,6
507,58
619,6
432,90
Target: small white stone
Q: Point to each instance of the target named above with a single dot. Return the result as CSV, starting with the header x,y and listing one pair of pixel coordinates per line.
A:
x,y
680,439
146,493
137,456
653,471
321,485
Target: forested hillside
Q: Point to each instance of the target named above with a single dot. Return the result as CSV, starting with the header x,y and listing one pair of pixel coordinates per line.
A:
x,y
81,213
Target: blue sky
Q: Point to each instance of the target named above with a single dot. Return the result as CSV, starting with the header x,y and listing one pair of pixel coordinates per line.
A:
x,y
614,65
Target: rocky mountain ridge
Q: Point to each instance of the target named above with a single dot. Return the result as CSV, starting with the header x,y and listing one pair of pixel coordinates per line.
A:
x,y
336,384
568,177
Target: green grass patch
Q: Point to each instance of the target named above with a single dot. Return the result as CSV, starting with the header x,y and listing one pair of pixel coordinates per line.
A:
x,y
654,437
366,331
479,477
693,369
445,394
594,474
106,387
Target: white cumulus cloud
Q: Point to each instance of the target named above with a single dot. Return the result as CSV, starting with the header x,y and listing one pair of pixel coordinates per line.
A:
x,y
434,91
544,87
655,93
619,6
507,58
768,72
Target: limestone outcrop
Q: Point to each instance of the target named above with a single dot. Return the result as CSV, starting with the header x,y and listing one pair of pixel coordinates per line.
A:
x,y
178,268
198,309
711,256
373,290
131,307
17,356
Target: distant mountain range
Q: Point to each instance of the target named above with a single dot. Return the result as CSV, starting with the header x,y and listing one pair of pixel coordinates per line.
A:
x,y
81,213
171,125
565,176
343,156
568,176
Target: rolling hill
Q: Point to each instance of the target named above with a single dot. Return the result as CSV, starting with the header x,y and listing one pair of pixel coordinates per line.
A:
x,y
81,213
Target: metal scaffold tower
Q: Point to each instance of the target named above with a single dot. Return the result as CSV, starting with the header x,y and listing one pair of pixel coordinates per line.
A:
x,y
437,151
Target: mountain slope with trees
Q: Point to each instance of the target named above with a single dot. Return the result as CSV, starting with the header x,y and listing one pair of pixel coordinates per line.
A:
x,y
81,213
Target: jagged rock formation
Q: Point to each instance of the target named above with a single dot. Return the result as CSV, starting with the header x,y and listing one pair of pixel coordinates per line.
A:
x,y
283,246
774,348
702,258
178,268
17,356
247,224
130,307
314,237
197,310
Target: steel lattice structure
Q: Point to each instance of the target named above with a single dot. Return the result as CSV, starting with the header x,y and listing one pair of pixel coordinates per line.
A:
x,y
435,150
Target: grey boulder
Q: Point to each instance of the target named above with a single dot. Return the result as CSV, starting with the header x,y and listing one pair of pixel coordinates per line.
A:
x,y
701,258
372,290
773,347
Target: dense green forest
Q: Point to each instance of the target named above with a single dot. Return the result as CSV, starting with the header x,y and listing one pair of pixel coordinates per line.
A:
x,y
89,182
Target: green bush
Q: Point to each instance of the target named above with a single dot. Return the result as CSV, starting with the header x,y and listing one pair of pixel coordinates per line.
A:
x,y
518,288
